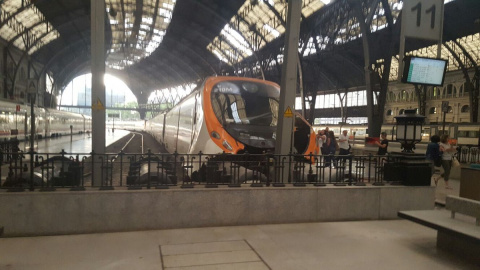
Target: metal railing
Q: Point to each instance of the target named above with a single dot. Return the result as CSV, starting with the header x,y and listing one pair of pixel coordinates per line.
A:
x,y
8,148
468,154
157,170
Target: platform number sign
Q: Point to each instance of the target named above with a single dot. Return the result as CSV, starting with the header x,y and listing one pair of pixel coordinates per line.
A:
x,y
423,18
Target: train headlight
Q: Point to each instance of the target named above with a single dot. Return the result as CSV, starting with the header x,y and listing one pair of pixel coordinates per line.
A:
x,y
227,145
215,135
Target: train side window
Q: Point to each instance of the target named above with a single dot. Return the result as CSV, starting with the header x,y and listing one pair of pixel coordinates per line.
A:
x,y
462,133
473,134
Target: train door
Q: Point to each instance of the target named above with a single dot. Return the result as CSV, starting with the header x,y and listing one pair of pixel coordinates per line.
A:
x,y
171,129
84,124
26,125
177,131
163,127
47,124
195,120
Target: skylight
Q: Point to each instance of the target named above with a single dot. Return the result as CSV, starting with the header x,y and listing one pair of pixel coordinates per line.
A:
x,y
25,26
256,24
134,40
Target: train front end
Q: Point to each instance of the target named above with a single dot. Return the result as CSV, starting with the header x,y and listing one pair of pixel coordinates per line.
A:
x,y
242,114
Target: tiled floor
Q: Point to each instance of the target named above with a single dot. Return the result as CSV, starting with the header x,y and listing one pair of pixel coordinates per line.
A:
x,y
395,244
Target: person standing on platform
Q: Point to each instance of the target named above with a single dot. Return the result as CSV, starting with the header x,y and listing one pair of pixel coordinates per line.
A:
x,y
382,145
331,147
447,155
433,155
344,145
320,141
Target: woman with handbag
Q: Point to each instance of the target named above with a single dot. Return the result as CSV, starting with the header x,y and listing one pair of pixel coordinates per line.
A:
x,y
433,155
447,155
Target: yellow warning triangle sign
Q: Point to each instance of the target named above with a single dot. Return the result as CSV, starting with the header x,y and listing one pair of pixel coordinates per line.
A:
x,y
288,112
98,106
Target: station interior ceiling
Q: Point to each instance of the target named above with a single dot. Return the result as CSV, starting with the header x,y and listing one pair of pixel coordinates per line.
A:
x,y
157,44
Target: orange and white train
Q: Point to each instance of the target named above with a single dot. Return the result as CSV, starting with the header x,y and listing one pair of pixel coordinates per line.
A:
x,y
228,114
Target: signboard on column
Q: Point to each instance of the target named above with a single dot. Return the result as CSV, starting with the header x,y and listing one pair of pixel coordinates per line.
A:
x,y
421,19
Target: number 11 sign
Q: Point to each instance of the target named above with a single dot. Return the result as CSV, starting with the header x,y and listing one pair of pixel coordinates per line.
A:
x,y
422,18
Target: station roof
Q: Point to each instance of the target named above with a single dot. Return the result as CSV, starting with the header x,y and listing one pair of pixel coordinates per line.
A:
x,y
156,44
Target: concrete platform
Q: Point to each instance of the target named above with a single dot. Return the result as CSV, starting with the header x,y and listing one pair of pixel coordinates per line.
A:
x,y
78,143
394,244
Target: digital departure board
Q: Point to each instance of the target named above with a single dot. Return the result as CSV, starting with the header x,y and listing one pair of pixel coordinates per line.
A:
x,y
424,71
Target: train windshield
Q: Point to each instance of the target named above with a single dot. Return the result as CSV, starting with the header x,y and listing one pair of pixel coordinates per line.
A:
x,y
248,111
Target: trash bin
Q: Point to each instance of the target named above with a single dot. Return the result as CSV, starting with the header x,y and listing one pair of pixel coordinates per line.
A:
x,y
416,173
408,168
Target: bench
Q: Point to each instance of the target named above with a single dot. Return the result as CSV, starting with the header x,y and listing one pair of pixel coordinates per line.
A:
x,y
455,234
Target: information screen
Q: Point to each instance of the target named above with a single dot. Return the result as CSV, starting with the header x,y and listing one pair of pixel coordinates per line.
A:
x,y
424,71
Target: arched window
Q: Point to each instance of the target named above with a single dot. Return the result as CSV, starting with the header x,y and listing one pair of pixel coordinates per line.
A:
x,y
404,95
389,112
449,90
401,111
432,110
450,109
466,89
455,91
465,109
460,91
391,96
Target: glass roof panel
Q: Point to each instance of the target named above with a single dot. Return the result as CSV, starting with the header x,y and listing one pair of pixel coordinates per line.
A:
x,y
26,27
257,23
133,40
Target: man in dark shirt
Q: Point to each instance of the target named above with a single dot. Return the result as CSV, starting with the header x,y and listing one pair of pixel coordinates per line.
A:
x,y
382,145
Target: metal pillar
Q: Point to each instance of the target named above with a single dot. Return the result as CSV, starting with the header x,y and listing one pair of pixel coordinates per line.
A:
x,y
32,137
288,86
98,86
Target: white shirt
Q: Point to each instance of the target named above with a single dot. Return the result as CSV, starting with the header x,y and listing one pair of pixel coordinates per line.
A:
x,y
320,141
344,144
446,155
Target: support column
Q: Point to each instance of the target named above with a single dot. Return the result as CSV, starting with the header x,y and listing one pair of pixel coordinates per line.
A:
x,y
288,86
98,86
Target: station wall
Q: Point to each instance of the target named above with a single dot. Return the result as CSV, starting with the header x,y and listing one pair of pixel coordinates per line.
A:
x,y
64,212
402,96
27,76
